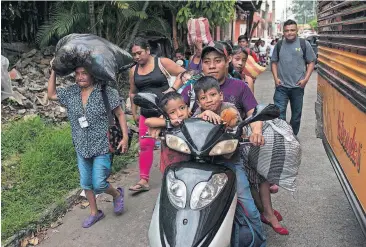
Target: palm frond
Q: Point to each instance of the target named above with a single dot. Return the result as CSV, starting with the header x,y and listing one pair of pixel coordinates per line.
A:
x,y
61,23
122,5
155,25
126,14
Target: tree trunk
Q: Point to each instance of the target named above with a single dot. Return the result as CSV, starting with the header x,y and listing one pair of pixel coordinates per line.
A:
x,y
136,27
92,17
10,29
182,38
222,32
100,23
107,33
21,33
100,27
45,11
249,25
174,29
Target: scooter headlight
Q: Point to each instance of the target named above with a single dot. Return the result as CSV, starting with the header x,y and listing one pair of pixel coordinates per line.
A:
x,y
177,144
177,190
205,192
224,147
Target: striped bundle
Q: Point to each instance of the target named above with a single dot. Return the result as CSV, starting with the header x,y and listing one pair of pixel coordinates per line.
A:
x,y
278,161
199,29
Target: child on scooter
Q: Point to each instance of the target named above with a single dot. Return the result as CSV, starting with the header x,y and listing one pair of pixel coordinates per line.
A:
x,y
173,104
213,109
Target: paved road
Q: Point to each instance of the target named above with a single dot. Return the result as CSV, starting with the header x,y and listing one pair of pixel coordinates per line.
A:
x,y
317,215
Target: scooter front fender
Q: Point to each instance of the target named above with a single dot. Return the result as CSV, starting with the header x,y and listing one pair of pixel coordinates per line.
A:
x,y
184,227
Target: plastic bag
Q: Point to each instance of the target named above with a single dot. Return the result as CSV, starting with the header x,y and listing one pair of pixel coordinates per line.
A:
x,y
100,57
279,159
199,29
6,90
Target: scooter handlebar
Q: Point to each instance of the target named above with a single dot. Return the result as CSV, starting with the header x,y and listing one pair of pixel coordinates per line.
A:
x,y
161,136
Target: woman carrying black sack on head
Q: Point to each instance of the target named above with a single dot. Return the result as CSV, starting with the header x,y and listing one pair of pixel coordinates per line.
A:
x,y
147,76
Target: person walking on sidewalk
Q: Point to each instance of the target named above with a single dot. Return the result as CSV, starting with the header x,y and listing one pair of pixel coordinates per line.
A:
x,y
89,126
243,42
147,76
293,61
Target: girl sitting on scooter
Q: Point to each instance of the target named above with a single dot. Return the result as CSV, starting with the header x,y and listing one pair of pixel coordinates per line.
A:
x,y
173,104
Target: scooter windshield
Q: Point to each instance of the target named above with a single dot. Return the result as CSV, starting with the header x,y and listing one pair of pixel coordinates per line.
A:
x,y
201,134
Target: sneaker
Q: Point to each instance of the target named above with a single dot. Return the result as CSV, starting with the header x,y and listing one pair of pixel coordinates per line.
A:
x,y
92,219
118,203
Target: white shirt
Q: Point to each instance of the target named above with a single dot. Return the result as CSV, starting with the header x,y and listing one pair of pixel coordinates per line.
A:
x,y
271,48
262,50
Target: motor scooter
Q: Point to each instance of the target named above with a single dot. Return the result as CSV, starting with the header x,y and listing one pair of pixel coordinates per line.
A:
x,y
197,201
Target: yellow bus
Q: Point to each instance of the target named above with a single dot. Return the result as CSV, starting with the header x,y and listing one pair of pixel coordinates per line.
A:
x,y
341,102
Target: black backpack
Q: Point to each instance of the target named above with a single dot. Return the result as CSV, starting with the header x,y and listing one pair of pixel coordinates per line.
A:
x,y
244,234
302,45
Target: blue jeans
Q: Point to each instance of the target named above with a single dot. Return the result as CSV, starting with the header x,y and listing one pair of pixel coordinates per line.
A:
x,y
245,197
94,172
295,96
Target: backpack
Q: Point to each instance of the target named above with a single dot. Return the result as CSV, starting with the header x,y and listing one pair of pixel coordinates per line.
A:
x,y
302,45
243,233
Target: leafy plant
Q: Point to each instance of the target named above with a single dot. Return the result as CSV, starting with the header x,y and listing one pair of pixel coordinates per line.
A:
x,y
303,10
314,23
217,12
113,20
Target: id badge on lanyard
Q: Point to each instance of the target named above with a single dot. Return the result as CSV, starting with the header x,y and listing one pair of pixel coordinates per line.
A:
x,y
83,122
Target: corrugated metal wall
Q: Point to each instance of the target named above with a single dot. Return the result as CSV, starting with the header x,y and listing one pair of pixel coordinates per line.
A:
x,y
342,47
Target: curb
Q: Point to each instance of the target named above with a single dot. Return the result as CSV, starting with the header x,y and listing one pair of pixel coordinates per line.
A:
x,y
48,216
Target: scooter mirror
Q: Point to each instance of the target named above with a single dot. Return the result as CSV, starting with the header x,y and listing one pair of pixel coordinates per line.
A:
x,y
264,112
148,101
261,113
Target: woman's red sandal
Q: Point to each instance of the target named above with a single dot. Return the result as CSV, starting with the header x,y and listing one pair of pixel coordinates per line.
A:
x,y
280,230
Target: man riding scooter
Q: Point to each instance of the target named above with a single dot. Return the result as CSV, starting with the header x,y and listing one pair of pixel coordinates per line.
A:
x,y
215,59
215,62
191,211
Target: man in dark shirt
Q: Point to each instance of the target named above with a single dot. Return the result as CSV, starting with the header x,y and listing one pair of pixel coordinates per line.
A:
x,y
215,63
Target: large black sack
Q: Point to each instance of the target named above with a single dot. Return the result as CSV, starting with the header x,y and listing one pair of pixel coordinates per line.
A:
x,y
99,56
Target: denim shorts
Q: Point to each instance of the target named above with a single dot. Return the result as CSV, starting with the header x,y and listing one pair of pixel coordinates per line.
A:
x,y
94,172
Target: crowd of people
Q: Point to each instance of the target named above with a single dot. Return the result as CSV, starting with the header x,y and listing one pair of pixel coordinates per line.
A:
x,y
222,82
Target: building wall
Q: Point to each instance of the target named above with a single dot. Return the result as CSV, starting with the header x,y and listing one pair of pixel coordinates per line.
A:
x,y
239,32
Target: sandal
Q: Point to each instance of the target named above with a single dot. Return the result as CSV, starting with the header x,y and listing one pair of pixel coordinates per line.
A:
x,y
276,213
141,188
92,219
280,230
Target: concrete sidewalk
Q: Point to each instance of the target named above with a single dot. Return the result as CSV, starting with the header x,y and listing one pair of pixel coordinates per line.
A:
x,y
318,214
